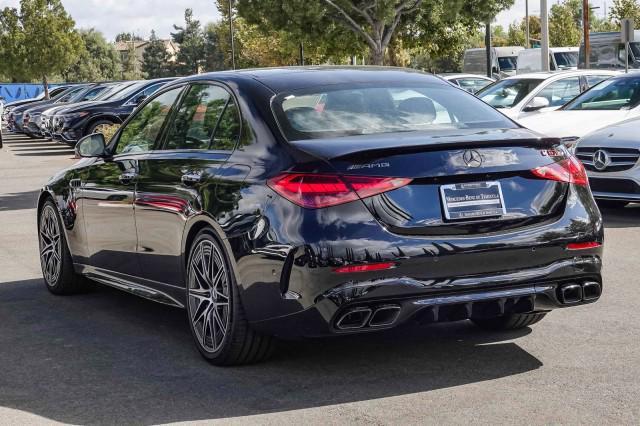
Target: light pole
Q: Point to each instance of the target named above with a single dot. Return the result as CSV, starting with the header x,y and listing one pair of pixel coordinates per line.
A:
x,y
233,46
526,17
544,24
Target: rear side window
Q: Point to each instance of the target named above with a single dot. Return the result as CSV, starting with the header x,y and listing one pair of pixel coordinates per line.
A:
x,y
562,91
337,111
207,119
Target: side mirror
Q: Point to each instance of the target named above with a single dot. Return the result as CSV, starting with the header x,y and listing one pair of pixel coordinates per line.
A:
x,y
91,146
537,103
140,99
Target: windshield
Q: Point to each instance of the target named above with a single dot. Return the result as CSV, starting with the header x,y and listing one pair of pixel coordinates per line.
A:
x,y
130,90
508,63
611,95
366,109
115,92
566,60
69,94
508,93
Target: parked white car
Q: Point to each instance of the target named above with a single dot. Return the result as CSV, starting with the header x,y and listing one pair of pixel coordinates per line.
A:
x,y
610,102
472,83
528,94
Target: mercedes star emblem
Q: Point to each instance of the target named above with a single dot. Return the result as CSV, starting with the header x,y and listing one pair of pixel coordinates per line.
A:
x,y
472,158
601,160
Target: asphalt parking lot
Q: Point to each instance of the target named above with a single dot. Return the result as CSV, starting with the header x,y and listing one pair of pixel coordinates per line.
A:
x,y
110,358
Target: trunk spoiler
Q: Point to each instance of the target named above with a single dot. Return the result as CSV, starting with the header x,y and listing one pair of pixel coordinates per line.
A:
x,y
391,143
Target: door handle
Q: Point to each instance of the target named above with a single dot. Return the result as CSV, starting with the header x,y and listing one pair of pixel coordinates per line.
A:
x,y
192,178
126,178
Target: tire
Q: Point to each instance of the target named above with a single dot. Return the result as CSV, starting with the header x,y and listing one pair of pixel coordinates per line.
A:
x,y
92,128
509,322
214,311
612,204
55,258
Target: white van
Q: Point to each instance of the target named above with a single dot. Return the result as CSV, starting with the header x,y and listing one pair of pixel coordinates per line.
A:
x,y
503,61
560,59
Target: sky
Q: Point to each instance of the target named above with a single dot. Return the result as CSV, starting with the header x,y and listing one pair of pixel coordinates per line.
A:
x,y
111,17
517,12
141,16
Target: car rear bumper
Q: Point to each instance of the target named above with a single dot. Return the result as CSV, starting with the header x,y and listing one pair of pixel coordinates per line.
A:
x,y
304,294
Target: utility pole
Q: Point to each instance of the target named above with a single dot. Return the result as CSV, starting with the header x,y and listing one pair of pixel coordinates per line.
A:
x,y
487,43
301,54
526,17
233,46
585,29
544,21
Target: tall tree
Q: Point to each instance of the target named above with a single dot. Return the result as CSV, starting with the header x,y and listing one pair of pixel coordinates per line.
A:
x,y
98,60
563,30
374,23
50,42
130,64
155,59
625,9
213,54
516,35
123,37
191,40
12,46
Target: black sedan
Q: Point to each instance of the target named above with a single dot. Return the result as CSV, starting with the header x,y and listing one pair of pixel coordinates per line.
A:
x,y
71,124
310,202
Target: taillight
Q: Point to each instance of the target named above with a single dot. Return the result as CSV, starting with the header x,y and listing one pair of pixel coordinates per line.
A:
x,y
368,267
570,170
316,191
583,246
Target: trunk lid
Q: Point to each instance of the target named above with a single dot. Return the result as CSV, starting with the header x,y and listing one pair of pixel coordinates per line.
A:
x,y
463,182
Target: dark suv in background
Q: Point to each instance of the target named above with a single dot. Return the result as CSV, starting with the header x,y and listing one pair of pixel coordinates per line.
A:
x,y
15,116
71,124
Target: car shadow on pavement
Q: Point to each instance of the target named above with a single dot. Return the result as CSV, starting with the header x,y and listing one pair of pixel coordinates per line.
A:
x,y
626,217
19,201
109,357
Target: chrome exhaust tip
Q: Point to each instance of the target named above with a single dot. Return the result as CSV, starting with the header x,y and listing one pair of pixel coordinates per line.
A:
x,y
353,319
591,290
384,316
571,293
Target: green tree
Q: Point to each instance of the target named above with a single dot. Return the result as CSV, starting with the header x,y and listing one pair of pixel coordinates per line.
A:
x,y
624,9
130,64
213,54
50,43
124,37
98,60
373,23
563,30
517,33
190,37
12,44
155,59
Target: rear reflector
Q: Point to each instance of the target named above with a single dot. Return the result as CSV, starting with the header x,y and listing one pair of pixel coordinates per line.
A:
x,y
316,191
365,268
570,170
583,246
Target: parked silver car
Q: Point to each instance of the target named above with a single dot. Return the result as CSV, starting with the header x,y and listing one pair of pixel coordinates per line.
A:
x,y
611,156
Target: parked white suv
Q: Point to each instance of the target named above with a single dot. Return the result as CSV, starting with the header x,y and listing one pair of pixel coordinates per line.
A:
x,y
526,94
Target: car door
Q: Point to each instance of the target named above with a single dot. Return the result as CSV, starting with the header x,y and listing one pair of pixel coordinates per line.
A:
x,y
108,190
177,180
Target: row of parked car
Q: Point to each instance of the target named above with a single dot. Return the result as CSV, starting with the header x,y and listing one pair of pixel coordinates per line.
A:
x,y
75,111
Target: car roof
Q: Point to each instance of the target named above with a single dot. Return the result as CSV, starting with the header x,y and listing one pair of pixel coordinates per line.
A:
x,y
452,75
545,75
295,78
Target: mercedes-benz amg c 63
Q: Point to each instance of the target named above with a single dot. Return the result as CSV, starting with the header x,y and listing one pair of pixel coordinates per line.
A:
x,y
310,202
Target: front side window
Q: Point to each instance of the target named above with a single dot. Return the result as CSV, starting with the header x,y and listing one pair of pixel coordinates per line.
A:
x,y
338,111
562,91
592,80
508,93
207,119
614,94
141,132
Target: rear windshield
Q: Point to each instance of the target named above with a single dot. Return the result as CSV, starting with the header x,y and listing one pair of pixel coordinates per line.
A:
x,y
508,93
614,94
338,110
508,63
566,60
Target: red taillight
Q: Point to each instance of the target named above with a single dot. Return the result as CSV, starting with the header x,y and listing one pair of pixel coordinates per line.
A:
x,y
583,246
570,170
381,266
316,191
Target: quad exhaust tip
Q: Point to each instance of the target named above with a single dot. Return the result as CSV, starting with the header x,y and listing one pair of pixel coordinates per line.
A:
x,y
354,319
384,316
575,293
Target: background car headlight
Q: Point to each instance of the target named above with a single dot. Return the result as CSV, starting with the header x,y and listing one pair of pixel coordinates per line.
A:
x,y
570,143
69,117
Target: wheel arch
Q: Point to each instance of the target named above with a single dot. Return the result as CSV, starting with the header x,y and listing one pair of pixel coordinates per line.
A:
x,y
107,117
